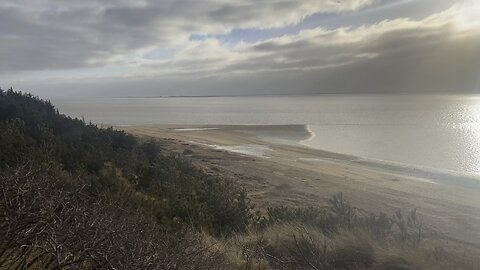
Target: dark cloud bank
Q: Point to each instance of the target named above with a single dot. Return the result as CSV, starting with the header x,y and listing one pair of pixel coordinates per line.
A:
x,y
99,48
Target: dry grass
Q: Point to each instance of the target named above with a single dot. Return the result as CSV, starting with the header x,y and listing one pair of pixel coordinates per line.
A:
x,y
50,221
296,246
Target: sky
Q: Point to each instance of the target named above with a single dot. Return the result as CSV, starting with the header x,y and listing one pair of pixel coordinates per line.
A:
x,y
120,48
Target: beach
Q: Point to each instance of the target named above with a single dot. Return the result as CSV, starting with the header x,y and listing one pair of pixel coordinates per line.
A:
x,y
277,171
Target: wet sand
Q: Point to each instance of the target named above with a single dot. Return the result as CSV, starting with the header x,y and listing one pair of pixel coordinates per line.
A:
x,y
277,172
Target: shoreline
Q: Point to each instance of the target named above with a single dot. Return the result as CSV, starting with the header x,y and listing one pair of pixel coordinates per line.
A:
x,y
445,176
425,171
295,175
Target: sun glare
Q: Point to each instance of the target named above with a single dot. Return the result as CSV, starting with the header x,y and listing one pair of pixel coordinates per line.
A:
x,y
468,15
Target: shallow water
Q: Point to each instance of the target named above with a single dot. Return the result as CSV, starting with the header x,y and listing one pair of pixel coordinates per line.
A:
x,y
437,131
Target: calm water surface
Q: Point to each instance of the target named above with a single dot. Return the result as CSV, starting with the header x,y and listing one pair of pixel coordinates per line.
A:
x,y
437,131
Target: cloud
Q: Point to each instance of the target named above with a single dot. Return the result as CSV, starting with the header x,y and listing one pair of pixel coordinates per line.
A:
x,y
425,55
47,35
118,48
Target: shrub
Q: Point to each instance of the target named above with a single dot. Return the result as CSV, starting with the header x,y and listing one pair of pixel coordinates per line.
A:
x,y
49,220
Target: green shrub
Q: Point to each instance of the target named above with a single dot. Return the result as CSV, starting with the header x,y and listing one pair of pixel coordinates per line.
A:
x,y
170,188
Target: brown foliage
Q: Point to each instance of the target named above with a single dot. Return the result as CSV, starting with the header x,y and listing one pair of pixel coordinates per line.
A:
x,y
50,221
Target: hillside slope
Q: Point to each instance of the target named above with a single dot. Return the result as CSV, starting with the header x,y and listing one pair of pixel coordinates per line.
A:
x,y
76,196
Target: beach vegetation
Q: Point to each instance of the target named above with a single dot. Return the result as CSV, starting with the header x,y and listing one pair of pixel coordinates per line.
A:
x,y
76,196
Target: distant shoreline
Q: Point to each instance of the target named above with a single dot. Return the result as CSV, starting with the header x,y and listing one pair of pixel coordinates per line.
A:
x,y
268,95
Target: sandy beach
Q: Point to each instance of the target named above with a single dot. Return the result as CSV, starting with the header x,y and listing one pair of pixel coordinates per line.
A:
x,y
277,171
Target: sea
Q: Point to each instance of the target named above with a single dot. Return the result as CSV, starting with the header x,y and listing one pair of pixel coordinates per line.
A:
x,y
429,131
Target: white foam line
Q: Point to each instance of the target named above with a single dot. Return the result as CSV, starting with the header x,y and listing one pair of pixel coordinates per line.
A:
x,y
312,136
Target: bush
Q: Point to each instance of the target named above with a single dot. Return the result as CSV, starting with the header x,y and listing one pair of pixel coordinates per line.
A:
x,y
51,221
170,188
